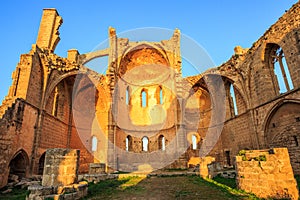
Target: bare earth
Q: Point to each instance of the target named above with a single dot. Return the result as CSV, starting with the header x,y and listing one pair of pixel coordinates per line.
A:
x,y
181,187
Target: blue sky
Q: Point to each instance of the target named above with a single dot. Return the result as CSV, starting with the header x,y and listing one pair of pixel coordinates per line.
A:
x,y
217,25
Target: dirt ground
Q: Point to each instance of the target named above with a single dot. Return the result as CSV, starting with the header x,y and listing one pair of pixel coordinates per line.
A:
x,y
181,187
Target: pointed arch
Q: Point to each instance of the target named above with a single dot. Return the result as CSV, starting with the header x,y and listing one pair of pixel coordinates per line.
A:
x,y
19,164
276,62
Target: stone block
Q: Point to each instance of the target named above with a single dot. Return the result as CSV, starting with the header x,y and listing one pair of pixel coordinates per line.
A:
x,y
59,170
269,178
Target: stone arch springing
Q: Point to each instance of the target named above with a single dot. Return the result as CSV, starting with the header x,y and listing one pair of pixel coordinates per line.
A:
x,y
19,164
276,62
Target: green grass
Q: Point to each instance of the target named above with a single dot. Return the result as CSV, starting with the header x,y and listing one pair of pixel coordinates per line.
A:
x,y
230,182
16,194
105,188
229,192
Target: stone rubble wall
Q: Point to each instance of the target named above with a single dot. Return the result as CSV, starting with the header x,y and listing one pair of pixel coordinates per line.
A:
x,y
266,173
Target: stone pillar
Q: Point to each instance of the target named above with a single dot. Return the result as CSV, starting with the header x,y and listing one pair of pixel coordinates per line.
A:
x,y
204,173
61,167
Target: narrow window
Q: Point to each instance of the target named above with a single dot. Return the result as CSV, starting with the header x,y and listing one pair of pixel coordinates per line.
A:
x,y
194,142
159,95
127,95
128,143
161,143
94,143
227,155
233,100
144,99
296,140
145,144
17,81
55,102
281,70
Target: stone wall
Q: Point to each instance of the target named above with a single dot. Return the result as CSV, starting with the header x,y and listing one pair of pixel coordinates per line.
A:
x,y
37,113
266,173
61,167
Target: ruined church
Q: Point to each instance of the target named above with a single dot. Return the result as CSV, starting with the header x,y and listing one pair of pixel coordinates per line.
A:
x,y
141,113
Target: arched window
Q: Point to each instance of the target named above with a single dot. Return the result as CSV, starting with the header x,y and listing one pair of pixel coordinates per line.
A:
x,y
94,143
282,72
144,98
281,78
127,95
159,95
128,142
145,143
194,142
161,143
233,100
55,102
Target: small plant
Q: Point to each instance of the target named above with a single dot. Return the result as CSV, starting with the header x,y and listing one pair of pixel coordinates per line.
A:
x,y
260,158
242,153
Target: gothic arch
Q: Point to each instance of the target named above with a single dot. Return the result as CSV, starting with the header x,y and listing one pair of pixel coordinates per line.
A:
x,y
19,164
147,51
282,129
274,110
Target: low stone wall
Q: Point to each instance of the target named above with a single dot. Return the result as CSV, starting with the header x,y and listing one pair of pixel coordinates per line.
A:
x,y
74,191
266,173
97,168
61,167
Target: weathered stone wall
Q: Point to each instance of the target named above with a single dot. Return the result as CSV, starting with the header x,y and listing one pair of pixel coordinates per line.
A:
x,y
45,82
257,92
61,167
266,173
15,147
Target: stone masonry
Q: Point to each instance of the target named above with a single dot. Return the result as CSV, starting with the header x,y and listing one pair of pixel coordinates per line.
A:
x,y
267,173
58,102
61,167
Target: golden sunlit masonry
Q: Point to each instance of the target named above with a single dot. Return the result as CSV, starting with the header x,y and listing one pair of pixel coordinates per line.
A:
x,y
142,115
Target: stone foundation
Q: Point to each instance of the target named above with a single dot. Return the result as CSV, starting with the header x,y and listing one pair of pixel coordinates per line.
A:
x,y
266,173
97,168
